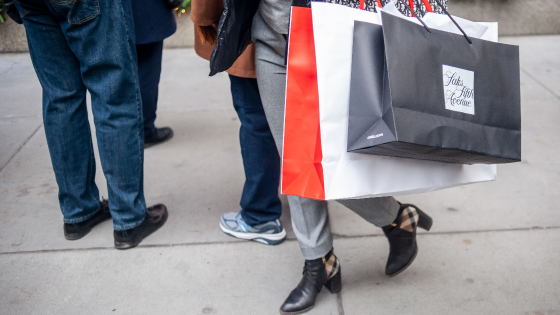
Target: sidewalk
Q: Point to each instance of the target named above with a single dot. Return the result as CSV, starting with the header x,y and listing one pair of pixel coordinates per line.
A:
x,y
494,247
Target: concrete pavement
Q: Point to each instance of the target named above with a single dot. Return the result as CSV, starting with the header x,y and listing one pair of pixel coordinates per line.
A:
x,y
493,248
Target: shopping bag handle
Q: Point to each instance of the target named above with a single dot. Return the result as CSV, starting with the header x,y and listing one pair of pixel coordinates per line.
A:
x,y
417,17
447,13
425,2
363,4
454,22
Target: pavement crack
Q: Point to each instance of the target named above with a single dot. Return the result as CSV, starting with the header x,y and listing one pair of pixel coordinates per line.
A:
x,y
345,236
21,146
288,239
339,303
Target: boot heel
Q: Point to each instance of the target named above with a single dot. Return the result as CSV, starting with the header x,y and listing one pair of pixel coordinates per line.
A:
x,y
334,284
424,220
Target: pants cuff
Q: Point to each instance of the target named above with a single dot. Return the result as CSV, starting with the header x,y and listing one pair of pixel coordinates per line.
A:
x,y
316,252
83,218
128,226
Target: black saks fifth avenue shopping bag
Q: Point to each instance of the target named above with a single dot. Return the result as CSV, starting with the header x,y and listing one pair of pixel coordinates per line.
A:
x,y
427,94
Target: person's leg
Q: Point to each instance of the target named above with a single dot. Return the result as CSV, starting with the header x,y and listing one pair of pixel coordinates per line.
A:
x,y
310,219
64,112
259,201
261,208
109,71
149,73
380,211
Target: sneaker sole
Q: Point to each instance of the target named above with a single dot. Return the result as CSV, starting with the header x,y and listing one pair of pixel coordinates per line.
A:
x,y
269,239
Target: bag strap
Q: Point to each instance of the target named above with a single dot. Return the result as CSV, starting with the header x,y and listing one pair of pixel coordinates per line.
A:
x,y
411,11
454,22
428,6
426,3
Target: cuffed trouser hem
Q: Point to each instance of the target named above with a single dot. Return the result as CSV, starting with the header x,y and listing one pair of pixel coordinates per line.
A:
x,y
317,252
252,221
127,227
82,218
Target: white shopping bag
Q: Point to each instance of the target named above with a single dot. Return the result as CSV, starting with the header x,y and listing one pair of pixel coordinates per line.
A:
x,y
335,173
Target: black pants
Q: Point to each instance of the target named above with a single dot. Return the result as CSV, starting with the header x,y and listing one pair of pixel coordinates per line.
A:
x,y
149,72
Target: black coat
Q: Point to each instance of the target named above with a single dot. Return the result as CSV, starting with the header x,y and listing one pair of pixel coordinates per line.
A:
x,y
153,21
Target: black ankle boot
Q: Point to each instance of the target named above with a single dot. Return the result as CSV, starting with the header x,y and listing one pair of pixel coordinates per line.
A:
x,y
402,238
302,298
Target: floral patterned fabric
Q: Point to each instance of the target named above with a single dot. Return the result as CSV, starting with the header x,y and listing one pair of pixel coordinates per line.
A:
x,y
402,5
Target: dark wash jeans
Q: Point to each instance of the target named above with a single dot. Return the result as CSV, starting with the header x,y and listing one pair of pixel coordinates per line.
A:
x,y
89,45
259,201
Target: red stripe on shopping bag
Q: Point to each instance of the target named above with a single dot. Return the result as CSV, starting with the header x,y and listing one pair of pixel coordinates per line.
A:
x,y
427,5
302,171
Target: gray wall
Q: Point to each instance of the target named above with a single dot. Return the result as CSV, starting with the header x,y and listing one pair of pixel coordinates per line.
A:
x,y
12,35
515,17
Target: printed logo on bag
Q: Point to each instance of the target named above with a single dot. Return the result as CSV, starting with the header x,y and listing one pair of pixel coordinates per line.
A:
x,y
375,136
458,88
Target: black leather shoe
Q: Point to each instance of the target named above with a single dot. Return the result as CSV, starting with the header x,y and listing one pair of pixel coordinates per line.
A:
x,y
402,238
155,218
159,136
302,298
75,231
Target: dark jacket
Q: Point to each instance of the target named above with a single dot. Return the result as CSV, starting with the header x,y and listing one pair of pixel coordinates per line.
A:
x,y
153,21
207,13
12,11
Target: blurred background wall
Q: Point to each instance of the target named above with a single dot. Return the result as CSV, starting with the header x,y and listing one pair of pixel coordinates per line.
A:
x,y
515,17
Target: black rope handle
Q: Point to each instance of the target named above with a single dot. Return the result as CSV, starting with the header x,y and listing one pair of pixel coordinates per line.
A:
x,y
445,11
417,17
452,19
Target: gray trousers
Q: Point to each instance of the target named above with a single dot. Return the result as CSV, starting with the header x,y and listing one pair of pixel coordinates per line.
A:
x,y
310,218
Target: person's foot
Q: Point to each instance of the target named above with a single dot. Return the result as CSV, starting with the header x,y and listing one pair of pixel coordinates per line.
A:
x,y
402,238
269,233
155,218
159,136
75,231
317,273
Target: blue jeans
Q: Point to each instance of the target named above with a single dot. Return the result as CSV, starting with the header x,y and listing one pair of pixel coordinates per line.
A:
x,y
85,45
259,201
149,73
